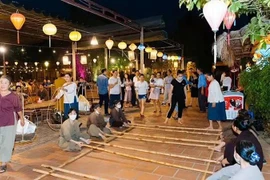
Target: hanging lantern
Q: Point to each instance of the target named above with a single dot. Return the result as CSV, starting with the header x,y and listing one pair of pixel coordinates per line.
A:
x,y
50,30
122,45
148,49
165,57
131,55
75,36
141,47
83,59
153,54
159,54
175,64
169,58
132,47
214,12
229,19
94,41
109,43
65,60
17,20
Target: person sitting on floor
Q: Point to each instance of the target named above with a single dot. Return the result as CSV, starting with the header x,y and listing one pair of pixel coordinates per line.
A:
x,y
246,168
71,138
118,118
96,124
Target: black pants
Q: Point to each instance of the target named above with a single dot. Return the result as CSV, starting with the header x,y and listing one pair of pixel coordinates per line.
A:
x,y
133,96
181,104
105,98
201,100
123,96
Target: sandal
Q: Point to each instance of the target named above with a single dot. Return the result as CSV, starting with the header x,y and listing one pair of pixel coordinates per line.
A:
x,y
3,169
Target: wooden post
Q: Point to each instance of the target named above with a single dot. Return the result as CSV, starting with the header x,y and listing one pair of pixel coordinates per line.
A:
x,y
54,174
148,160
74,61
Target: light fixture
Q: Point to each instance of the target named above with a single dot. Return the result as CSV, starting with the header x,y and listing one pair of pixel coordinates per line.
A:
x,y
97,56
36,63
39,50
132,47
25,63
159,54
54,51
18,21
153,54
88,55
165,57
65,60
122,45
6,62
3,49
94,41
83,59
148,49
22,49
75,36
141,47
94,60
175,64
109,43
50,30
228,21
131,55
16,63
113,60
57,63
46,64
130,64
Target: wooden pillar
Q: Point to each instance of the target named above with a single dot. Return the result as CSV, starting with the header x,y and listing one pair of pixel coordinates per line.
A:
x,y
74,61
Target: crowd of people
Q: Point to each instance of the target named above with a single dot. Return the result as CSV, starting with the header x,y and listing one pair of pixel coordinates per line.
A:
x,y
243,155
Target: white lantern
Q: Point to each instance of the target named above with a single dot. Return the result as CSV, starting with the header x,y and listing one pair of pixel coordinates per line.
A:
x,y
153,54
165,57
83,59
50,30
159,54
132,47
94,41
148,49
175,64
65,60
122,45
109,43
131,55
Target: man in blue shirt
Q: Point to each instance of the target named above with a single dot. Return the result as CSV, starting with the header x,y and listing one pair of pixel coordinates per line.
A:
x,y
201,90
102,84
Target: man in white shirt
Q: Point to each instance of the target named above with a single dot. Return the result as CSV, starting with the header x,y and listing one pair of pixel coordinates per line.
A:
x,y
115,87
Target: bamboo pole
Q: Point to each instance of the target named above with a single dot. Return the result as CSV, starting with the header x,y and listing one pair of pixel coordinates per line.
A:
x,y
208,164
148,160
160,141
180,131
155,152
182,128
168,138
73,172
76,158
54,174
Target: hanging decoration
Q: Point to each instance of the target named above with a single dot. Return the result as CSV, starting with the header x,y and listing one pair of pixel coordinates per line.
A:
x,y
50,30
131,55
148,49
122,45
132,47
153,54
229,19
159,54
94,41
75,36
83,59
65,60
18,21
214,12
141,47
165,57
109,43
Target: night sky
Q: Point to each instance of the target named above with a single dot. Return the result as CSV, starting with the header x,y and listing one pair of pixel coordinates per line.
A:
x,y
187,28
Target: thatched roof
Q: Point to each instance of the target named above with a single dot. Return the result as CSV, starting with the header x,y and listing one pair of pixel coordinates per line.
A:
x,y
237,49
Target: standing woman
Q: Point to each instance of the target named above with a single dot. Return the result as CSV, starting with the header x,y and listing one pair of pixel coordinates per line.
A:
x,y
155,93
10,109
179,94
194,88
141,89
122,79
216,103
69,90
128,90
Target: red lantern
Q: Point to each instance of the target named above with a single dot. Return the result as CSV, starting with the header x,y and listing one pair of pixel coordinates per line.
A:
x,y
17,20
228,22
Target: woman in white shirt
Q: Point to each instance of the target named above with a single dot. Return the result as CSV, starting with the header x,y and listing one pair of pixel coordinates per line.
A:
x,y
216,103
141,88
155,93
226,82
246,157
69,91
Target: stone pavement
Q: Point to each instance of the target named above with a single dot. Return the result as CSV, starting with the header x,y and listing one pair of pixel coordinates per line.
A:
x,y
115,167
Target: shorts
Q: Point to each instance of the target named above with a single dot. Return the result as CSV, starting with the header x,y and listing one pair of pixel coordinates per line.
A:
x,y
142,96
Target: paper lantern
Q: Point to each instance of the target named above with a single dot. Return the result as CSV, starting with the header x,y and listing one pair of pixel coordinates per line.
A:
x,y
169,58
229,19
148,49
65,60
18,21
122,45
83,59
153,54
165,57
141,47
132,47
159,54
131,55
50,30
109,43
75,36
94,41
214,12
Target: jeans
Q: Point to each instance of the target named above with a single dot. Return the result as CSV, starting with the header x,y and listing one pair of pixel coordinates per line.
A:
x,y
105,98
201,100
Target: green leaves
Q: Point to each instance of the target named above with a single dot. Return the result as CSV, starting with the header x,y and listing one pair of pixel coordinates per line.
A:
x,y
235,6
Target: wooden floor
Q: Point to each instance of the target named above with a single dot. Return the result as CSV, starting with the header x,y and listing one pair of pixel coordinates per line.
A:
x,y
111,166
